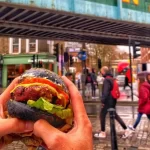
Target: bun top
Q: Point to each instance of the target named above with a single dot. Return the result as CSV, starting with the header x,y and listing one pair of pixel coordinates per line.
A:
x,y
47,74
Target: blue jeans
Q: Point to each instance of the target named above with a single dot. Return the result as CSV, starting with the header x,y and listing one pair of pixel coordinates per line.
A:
x,y
138,119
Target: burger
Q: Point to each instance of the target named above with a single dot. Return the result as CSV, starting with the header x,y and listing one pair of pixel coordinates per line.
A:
x,y
41,94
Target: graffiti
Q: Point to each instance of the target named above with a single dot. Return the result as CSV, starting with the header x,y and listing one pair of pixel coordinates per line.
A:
x,y
136,2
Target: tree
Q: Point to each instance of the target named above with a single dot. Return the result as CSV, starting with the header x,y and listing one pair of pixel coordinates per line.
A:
x,y
106,53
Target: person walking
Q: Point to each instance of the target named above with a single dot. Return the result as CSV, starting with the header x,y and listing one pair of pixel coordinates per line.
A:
x,y
94,82
88,83
108,101
144,101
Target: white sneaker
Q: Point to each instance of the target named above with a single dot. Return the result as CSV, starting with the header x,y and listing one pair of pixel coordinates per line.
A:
x,y
131,128
127,133
100,135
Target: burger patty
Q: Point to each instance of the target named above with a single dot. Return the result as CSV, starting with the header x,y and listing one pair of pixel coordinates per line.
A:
x,y
23,94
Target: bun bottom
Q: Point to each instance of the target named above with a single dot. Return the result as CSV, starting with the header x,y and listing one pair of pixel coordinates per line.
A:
x,y
25,112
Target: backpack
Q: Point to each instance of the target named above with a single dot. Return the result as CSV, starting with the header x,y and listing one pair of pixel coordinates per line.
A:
x,y
89,79
115,90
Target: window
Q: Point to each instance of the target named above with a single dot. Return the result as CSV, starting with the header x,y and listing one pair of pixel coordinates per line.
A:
x,y
31,46
14,45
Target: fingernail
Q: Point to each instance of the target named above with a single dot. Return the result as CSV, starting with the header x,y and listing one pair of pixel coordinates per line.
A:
x,y
29,126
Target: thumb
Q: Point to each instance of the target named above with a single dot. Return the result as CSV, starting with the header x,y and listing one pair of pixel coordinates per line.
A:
x,y
14,125
47,132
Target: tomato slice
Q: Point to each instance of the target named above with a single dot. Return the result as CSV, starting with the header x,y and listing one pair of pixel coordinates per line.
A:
x,y
45,81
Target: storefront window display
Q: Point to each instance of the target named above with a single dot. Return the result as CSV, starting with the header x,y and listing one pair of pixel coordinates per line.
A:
x,y
16,70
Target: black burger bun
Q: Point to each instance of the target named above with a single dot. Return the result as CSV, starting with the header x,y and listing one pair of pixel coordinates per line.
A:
x,y
24,112
44,73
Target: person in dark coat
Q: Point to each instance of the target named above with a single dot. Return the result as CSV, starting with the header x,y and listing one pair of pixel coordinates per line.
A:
x,y
108,102
94,82
144,101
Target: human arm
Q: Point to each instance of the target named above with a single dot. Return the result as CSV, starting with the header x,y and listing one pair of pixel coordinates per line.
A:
x,y
11,125
79,137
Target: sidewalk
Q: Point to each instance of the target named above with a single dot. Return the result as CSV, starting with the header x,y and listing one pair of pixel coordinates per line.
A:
x,y
140,140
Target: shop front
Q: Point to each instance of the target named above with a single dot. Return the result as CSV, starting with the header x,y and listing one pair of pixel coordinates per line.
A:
x,y
15,65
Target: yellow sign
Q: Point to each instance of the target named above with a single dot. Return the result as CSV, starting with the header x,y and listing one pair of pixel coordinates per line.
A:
x,y
136,2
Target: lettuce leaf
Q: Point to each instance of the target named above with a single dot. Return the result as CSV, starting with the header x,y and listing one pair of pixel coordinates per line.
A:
x,y
44,105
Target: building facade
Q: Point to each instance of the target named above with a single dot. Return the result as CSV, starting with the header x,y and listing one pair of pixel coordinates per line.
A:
x,y
145,55
18,54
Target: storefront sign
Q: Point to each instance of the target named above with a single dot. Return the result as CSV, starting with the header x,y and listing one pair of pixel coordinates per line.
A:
x,y
43,60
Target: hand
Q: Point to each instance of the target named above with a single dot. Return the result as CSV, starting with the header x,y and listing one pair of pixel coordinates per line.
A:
x,y
13,125
79,138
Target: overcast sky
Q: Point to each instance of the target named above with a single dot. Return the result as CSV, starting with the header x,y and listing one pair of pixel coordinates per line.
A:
x,y
124,48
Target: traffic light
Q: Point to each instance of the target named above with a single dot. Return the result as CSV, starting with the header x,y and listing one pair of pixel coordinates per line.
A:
x,y
56,51
136,48
99,63
71,60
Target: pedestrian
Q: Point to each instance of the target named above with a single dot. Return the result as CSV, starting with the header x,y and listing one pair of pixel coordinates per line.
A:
x,y
144,100
88,84
94,82
80,136
108,101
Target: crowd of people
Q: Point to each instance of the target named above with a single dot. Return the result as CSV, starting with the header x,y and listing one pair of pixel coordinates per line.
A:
x,y
80,136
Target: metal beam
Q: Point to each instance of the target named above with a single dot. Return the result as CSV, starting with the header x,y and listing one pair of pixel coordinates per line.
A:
x,y
53,16
16,25
19,30
97,34
8,13
39,17
26,31
79,23
22,13
71,22
1,30
63,21
10,30
81,26
2,9
31,15
33,33
53,21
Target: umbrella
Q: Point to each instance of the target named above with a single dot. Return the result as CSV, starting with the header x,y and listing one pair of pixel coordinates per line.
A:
x,y
122,66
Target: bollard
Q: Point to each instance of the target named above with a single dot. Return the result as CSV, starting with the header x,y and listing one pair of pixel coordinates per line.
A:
x,y
114,145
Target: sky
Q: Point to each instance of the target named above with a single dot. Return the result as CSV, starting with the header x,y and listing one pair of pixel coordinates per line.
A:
x,y
124,48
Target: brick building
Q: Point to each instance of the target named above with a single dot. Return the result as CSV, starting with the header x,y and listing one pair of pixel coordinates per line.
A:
x,y
17,55
145,55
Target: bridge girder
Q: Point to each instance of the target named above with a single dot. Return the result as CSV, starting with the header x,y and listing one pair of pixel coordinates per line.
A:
x,y
25,21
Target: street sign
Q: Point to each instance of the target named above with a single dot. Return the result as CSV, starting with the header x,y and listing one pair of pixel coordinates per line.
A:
x,y
82,55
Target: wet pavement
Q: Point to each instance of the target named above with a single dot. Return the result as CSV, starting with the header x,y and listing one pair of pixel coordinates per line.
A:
x,y
139,140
